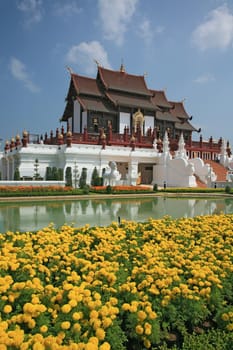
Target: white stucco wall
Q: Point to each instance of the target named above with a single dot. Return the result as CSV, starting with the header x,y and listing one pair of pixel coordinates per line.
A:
x,y
76,120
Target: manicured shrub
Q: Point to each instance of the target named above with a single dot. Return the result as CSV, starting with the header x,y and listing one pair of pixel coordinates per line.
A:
x,y
48,174
83,178
86,189
55,173
228,189
60,174
95,178
17,174
109,189
68,176
36,170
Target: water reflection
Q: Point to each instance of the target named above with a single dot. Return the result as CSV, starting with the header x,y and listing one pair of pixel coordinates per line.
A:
x,y
26,216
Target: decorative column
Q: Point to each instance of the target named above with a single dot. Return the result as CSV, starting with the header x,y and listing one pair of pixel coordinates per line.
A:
x,y
7,146
133,172
103,140
132,143
12,144
181,152
60,139
85,134
25,138
17,141
110,133
68,139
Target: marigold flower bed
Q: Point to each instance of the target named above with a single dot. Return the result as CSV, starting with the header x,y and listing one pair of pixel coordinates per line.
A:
x,y
127,286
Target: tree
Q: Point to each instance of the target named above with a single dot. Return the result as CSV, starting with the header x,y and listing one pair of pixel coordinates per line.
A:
x,y
17,175
60,174
83,178
48,174
76,175
95,177
54,173
68,176
36,170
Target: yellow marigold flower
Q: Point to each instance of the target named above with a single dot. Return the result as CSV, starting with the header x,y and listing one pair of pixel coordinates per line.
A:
x,y
141,315
147,327
73,303
230,327
100,333
94,314
139,329
97,296
7,309
94,340
65,325
32,323
38,346
43,329
113,301
76,316
67,286
76,327
3,325
35,300
91,304
225,317
106,322
105,346
87,293
95,322
152,315
41,307
66,308
91,346
125,307
147,343
28,308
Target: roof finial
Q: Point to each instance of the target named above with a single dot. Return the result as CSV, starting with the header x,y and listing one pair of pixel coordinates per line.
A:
x,y
70,70
97,62
122,67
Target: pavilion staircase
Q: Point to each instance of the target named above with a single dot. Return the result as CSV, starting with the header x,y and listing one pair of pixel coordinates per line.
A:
x,y
218,168
199,182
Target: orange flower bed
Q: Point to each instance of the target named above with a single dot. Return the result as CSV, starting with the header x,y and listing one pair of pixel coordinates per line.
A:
x,y
122,188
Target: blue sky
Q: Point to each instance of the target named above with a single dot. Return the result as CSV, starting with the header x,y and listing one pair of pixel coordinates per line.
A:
x,y
183,46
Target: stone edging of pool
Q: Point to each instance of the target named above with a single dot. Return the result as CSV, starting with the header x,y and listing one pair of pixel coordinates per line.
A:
x,y
128,195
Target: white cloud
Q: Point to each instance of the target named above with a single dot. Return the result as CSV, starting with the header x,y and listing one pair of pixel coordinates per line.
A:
x,y
32,10
85,55
19,72
147,33
115,16
205,78
66,9
216,31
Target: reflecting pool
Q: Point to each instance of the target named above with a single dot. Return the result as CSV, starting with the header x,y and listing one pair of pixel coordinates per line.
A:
x,y
27,216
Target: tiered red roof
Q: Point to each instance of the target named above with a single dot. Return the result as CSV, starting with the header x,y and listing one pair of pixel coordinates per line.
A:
x,y
122,81
113,89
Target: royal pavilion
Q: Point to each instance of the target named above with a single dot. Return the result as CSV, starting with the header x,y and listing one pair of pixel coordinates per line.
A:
x,y
116,119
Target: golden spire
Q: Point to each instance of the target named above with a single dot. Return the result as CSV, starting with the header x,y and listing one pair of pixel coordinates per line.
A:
x,y
122,67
